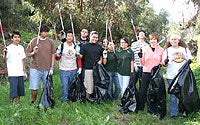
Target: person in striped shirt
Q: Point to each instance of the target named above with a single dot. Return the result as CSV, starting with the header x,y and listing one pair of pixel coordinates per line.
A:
x,y
136,48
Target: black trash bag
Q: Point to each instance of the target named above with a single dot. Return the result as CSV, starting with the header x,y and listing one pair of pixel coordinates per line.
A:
x,y
101,82
129,99
47,97
156,93
76,89
185,89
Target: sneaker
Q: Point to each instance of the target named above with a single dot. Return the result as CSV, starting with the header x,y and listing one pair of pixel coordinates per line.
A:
x,y
184,114
90,99
32,102
174,116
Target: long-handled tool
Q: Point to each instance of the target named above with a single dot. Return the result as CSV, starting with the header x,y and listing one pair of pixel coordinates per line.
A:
x,y
111,39
72,25
60,14
134,28
38,36
2,33
107,29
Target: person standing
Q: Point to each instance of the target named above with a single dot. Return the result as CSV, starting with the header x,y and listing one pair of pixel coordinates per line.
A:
x,y
105,43
136,48
84,37
174,57
42,51
150,57
67,64
15,60
125,64
110,64
90,53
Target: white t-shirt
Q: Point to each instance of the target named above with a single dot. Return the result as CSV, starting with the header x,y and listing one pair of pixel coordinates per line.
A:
x,y
177,57
68,58
15,55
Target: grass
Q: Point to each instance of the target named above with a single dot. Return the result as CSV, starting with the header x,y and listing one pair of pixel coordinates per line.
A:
x,y
74,113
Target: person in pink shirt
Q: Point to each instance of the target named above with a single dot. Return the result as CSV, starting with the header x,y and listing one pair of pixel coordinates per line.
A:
x,y
150,57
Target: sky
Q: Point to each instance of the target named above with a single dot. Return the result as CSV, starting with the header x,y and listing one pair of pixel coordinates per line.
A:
x,y
177,10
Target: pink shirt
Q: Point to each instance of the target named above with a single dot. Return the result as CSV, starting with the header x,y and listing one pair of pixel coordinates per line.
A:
x,y
150,59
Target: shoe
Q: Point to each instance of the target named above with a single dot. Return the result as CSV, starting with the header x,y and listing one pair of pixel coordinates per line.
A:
x,y
184,114
90,99
32,102
63,101
174,116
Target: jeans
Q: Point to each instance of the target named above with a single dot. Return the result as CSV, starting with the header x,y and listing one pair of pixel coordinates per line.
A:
x,y
114,82
173,105
35,77
123,82
66,78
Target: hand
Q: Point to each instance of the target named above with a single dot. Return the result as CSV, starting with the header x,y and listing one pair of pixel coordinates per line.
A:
x,y
131,74
25,75
35,49
189,61
63,40
79,70
51,71
140,54
63,36
166,61
5,51
57,57
105,55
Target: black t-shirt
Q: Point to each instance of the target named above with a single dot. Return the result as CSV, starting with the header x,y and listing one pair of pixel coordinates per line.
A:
x,y
91,53
83,42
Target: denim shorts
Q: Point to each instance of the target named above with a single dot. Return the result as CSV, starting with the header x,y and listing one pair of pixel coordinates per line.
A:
x,y
35,77
16,86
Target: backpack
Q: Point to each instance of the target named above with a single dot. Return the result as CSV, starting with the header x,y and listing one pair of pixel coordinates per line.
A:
x,y
61,50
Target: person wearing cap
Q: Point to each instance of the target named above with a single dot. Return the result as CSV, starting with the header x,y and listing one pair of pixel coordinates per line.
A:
x,y
90,53
42,51
173,58
150,57
125,64
137,47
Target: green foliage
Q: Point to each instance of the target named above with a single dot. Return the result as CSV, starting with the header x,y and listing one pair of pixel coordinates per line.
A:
x,y
86,14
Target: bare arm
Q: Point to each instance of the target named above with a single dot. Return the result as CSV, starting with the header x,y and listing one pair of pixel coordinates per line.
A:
x,y
132,66
104,61
4,59
52,60
100,60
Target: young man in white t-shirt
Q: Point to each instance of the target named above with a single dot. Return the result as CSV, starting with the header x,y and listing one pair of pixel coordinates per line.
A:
x,y
15,59
69,65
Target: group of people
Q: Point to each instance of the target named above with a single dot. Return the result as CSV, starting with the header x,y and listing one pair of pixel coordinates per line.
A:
x,y
132,62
